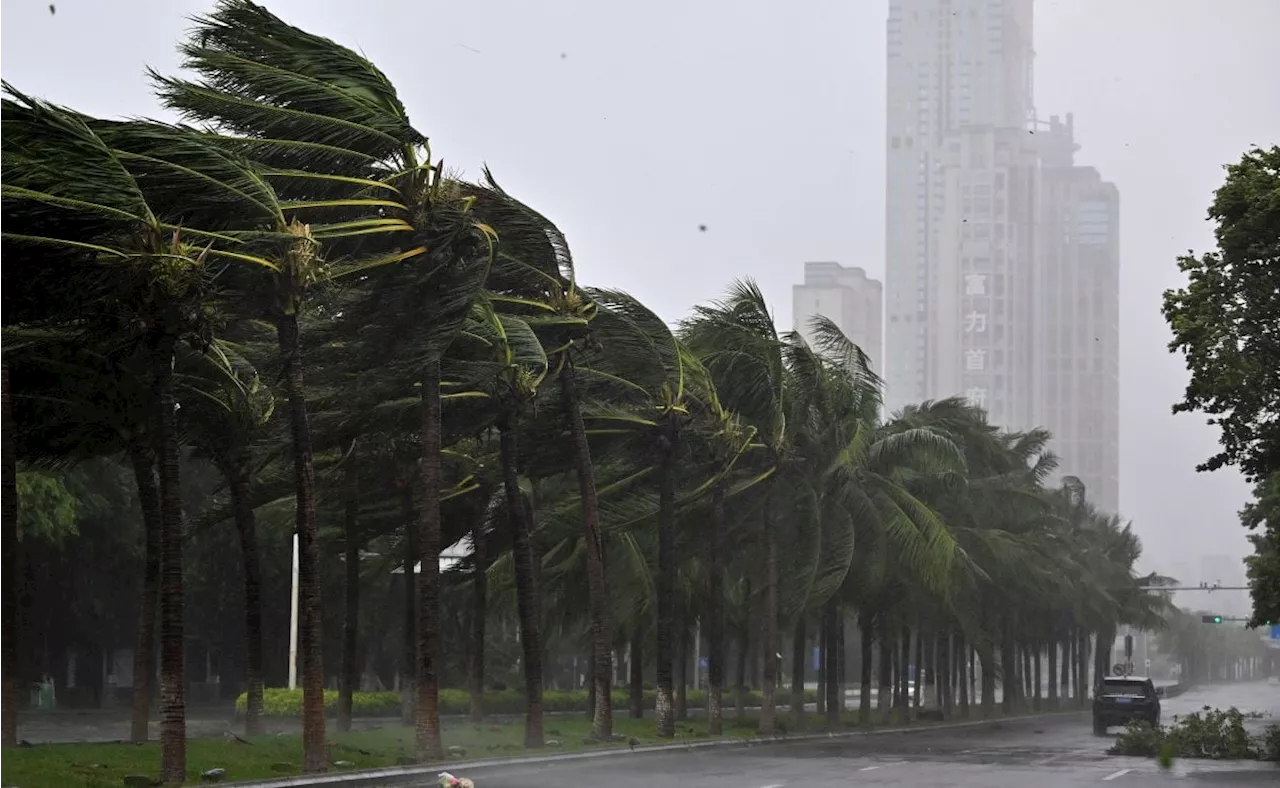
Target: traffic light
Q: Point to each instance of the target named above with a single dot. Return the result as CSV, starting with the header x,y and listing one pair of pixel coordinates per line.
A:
x,y
1211,619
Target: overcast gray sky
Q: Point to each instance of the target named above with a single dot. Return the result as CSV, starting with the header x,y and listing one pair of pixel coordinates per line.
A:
x,y
632,123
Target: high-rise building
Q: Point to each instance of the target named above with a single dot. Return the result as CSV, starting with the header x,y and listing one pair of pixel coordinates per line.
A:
x,y
956,68
1077,354
1002,264
849,298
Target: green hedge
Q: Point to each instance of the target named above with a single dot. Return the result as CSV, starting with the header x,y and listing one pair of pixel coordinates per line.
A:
x,y
288,703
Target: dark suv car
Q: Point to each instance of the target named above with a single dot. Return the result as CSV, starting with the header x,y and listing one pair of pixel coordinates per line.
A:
x,y
1120,699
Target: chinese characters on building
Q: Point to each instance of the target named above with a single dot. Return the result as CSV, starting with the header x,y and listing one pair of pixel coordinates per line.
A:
x,y
975,339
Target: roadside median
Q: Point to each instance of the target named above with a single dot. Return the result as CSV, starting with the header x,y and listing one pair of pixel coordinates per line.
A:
x,y
382,756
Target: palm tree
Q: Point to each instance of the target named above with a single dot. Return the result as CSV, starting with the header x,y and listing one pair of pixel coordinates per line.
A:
x,y
73,192
9,515
508,369
534,277
652,404
225,407
336,141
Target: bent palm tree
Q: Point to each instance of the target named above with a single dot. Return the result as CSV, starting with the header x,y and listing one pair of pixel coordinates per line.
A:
x,y
337,144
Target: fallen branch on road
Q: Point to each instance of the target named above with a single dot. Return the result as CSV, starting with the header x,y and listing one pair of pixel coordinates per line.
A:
x,y
1212,733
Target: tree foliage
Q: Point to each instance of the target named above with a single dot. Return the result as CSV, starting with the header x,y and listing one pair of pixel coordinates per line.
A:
x,y
465,394
1226,321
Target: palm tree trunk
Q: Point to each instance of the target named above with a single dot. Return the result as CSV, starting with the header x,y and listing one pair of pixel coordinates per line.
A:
x,y
904,697
142,458
740,687
173,723
919,662
597,587
842,659
682,672
946,672
527,599
831,663
972,656
666,579
636,682
715,612
1067,672
1083,666
1027,677
309,600
822,670
866,644
1008,669
1102,653
427,719
798,645
1036,679
479,611
409,655
351,622
246,527
987,654
768,701
884,701
1053,675
961,653
591,689
9,514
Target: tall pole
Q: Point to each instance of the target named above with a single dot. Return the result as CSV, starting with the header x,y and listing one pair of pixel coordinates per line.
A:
x,y
293,619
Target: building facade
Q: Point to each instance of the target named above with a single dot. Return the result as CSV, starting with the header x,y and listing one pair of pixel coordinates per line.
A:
x,y
1077,369
1002,269
955,66
849,298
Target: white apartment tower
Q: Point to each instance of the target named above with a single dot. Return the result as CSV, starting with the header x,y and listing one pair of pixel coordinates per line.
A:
x,y
960,193
1077,371
849,298
1002,269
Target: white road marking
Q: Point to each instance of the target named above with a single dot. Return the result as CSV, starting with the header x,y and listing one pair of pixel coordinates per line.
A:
x,y
775,785
1114,775
881,766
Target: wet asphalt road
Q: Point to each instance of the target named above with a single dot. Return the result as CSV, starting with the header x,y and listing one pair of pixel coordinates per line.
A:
x,y
1047,752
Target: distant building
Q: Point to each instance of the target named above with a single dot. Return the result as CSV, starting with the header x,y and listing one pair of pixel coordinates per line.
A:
x,y
849,298
980,325
954,66
1002,255
1077,308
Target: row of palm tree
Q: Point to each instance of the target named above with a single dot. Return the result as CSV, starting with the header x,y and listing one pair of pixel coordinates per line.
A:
x,y
295,288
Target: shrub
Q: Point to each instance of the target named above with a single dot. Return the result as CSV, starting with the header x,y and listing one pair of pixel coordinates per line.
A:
x,y
288,703
1269,744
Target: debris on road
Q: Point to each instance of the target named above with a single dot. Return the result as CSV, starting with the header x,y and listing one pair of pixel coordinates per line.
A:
x,y
449,781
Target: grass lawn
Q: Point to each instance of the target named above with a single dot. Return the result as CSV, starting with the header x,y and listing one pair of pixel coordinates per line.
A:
x,y
66,765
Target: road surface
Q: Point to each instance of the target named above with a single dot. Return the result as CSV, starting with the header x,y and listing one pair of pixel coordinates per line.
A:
x,y
1050,752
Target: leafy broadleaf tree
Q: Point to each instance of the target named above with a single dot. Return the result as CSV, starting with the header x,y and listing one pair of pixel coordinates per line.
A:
x,y
1224,321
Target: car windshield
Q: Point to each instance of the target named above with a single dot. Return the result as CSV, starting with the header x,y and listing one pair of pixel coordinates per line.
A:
x,y
1124,687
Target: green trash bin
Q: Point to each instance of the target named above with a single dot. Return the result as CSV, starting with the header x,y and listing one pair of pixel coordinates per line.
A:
x,y
42,695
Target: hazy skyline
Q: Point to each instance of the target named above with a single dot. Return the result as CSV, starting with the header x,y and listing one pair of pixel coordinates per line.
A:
x,y
631,125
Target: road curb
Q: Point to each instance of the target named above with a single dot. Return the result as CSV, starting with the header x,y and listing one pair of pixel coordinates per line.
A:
x,y
402,775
